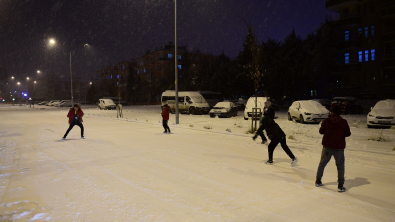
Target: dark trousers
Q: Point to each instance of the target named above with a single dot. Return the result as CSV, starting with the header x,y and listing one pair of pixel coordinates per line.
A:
x,y
326,156
72,124
260,133
283,142
165,125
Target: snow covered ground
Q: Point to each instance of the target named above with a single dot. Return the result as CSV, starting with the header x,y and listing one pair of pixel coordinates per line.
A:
x,y
128,170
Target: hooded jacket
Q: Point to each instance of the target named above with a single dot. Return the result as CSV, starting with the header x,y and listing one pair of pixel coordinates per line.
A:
x,y
72,113
165,113
273,130
335,130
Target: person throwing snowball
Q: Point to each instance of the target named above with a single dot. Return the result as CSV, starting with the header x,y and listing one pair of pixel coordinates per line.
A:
x,y
276,136
75,118
165,118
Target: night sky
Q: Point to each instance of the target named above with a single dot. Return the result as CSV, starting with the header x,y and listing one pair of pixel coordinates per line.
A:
x,y
121,30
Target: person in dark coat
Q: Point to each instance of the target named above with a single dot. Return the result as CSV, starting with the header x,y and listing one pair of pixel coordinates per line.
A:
x,y
335,130
165,117
75,118
276,136
259,132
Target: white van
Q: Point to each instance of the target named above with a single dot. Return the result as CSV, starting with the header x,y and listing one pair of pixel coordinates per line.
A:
x,y
106,104
188,102
262,102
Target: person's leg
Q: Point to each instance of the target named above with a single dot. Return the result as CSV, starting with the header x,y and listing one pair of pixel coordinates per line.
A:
x,y
167,125
271,147
339,157
68,130
325,158
164,124
286,148
82,129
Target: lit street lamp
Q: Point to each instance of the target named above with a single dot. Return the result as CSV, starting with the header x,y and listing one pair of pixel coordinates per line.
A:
x,y
176,65
38,71
18,83
27,78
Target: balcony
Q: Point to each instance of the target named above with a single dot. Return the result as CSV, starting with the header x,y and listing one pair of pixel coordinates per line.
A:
x,y
352,43
349,20
335,5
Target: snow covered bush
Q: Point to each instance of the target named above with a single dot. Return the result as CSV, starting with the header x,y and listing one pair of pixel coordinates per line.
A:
x,y
380,137
190,125
207,127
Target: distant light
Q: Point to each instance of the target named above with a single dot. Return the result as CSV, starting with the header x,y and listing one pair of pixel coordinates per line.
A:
x,y
90,83
86,45
12,77
27,78
3,100
35,81
38,71
52,41
18,83
13,99
25,94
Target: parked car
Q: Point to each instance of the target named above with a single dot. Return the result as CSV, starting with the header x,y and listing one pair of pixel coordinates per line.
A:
x,y
347,104
382,115
106,104
117,100
240,103
261,102
188,102
224,109
307,111
57,103
64,103
42,103
51,102
324,102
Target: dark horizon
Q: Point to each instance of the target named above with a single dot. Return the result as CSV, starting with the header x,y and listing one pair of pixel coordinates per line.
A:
x,y
122,31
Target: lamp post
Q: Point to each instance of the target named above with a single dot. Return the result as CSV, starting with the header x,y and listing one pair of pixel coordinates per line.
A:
x,y
176,63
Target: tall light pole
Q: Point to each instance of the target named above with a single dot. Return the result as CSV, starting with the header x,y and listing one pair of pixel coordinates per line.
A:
x,y
176,62
71,81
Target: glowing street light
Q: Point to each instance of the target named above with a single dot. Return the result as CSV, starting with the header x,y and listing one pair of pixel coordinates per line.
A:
x,y
12,77
35,82
18,83
52,41
38,71
90,83
27,78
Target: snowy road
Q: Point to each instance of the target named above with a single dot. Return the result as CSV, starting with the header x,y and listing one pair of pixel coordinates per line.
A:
x,y
131,171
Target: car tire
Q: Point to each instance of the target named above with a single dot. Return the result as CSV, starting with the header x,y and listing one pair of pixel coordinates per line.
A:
x,y
301,119
369,126
192,110
289,117
245,118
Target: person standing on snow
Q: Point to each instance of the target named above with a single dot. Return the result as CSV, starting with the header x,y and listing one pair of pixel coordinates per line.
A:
x,y
259,132
276,136
335,130
75,118
165,118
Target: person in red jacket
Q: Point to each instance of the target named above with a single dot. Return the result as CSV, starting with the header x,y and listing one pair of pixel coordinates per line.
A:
x,y
165,117
335,130
75,118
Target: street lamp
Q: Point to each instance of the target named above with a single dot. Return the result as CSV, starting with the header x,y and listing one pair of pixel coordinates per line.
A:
x,y
52,41
27,78
12,77
18,83
176,63
38,71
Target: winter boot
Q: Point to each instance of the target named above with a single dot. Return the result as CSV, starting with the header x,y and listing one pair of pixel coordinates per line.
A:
x,y
341,189
269,162
294,162
254,137
318,183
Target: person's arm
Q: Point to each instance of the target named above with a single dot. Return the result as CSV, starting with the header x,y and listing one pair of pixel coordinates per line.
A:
x,y
70,114
347,131
81,113
264,122
322,128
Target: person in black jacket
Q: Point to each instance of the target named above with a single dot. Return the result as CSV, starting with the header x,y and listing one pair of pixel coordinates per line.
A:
x,y
259,132
276,136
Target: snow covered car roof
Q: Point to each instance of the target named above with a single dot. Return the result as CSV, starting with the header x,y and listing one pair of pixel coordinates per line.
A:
x,y
312,106
224,104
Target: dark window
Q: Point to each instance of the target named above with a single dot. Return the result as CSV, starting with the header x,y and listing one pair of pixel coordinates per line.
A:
x,y
372,30
366,32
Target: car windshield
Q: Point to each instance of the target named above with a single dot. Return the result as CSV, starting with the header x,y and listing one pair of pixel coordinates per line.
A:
x,y
260,102
385,105
198,99
222,105
341,101
312,106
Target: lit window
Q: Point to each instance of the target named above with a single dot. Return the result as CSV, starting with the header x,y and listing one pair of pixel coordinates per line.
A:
x,y
347,58
179,66
366,55
123,66
366,32
360,56
111,76
144,70
117,76
360,32
117,83
372,54
347,35
138,72
179,56
169,56
372,30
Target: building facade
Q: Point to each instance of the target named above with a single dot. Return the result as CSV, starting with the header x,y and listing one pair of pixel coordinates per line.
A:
x,y
4,85
366,36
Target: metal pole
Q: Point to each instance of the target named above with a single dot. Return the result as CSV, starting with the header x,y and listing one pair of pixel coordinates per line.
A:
x,y
176,63
71,81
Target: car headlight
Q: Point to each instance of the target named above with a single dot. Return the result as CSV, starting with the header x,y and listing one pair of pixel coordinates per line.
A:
x,y
307,113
